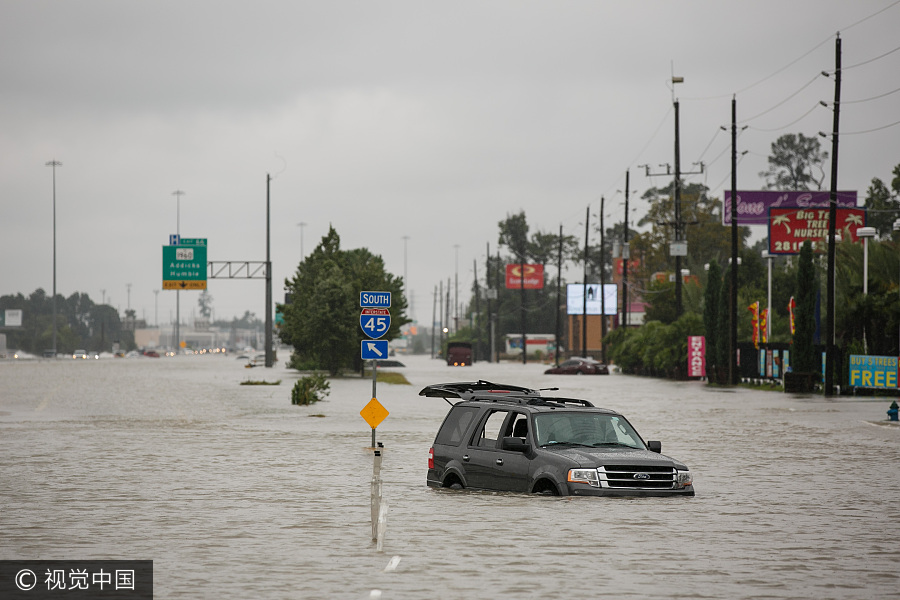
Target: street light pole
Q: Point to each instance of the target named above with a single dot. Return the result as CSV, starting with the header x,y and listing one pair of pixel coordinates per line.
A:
x,y
270,356
768,257
301,225
178,194
53,164
865,233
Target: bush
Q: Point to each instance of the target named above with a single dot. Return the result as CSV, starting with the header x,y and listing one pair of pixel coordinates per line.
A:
x,y
310,389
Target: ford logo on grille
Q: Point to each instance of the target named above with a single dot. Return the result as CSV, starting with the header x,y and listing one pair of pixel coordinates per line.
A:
x,y
642,476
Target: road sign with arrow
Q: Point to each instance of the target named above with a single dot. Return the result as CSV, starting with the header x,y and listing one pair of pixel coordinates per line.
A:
x,y
374,350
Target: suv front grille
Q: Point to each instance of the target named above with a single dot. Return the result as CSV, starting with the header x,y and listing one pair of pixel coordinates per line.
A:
x,y
637,477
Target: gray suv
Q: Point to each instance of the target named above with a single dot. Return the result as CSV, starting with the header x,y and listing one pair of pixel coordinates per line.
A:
x,y
510,438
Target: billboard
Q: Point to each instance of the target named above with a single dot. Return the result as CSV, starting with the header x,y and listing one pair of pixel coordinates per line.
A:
x,y
753,206
790,227
878,372
534,277
11,317
575,299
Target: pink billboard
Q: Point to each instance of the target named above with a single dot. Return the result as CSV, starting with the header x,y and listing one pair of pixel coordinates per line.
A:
x,y
696,356
753,206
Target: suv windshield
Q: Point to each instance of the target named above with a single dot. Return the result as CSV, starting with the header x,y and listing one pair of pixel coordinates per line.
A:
x,y
585,429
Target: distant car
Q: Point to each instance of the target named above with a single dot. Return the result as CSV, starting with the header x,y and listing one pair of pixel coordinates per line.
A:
x,y
83,354
151,353
579,366
508,438
459,354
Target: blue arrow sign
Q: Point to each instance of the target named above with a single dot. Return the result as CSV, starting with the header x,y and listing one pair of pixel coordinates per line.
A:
x,y
374,350
375,322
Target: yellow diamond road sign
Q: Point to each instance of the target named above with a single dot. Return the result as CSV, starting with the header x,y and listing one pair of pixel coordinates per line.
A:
x,y
374,413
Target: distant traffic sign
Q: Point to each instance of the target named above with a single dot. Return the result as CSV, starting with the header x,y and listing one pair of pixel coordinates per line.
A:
x,y
374,299
374,350
375,322
192,242
184,267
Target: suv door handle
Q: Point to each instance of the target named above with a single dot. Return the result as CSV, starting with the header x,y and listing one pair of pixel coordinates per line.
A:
x,y
499,461
466,457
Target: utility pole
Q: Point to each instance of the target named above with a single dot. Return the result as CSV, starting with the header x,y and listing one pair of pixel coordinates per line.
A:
x,y
456,289
626,256
477,330
53,164
558,293
679,247
433,318
488,292
524,317
832,217
584,285
602,288
733,368
678,224
270,355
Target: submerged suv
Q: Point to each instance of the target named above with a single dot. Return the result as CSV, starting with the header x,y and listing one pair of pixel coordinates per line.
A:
x,y
509,438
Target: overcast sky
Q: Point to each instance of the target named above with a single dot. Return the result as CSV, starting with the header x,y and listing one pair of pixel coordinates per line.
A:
x,y
385,119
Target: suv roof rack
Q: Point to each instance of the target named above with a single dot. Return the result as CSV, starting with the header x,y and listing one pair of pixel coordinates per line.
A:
x,y
560,402
467,389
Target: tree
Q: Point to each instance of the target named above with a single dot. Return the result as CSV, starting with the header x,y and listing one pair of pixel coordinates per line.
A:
x,y
321,321
796,163
883,204
804,314
205,304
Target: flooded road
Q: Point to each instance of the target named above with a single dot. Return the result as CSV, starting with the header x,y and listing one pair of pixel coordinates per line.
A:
x,y
235,493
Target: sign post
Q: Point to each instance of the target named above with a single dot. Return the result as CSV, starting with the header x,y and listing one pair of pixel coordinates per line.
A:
x,y
375,321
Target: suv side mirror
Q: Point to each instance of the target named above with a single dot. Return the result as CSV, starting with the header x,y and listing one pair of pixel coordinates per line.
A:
x,y
654,446
515,444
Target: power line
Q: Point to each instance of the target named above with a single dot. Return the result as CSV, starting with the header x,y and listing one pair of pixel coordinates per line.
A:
x,y
870,130
872,98
872,15
770,109
865,62
795,121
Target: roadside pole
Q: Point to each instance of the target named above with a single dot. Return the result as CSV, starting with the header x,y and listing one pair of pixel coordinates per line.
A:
x,y
375,321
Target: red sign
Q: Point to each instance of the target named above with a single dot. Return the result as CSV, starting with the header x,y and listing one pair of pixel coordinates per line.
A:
x,y
534,277
633,265
790,227
696,356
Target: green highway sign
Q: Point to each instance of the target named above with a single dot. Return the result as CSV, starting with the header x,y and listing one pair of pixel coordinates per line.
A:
x,y
184,266
192,242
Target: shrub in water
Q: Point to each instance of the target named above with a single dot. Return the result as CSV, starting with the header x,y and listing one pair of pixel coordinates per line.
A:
x,y
310,389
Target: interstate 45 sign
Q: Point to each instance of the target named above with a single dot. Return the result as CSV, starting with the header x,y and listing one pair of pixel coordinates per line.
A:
x,y
375,322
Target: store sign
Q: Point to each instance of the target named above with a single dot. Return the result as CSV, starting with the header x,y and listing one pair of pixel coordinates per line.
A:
x,y
533,277
696,356
790,227
753,206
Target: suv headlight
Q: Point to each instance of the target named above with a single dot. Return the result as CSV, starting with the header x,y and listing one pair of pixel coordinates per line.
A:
x,y
683,479
588,476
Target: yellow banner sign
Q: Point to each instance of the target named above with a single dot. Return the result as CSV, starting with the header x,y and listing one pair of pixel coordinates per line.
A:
x,y
183,284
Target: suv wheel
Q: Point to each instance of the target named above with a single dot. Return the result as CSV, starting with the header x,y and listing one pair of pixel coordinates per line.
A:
x,y
545,488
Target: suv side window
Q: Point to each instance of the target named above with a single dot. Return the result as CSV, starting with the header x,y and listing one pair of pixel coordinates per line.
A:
x,y
455,425
493,429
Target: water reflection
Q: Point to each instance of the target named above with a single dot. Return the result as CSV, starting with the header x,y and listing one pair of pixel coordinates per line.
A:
x,y
234,492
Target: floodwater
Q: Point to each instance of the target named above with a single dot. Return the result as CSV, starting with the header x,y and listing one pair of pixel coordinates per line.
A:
x,y
235,493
